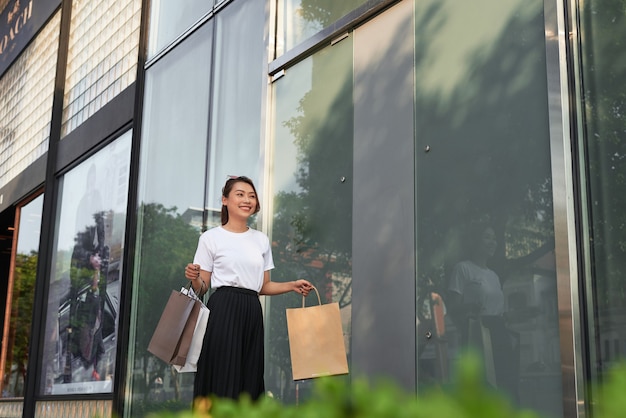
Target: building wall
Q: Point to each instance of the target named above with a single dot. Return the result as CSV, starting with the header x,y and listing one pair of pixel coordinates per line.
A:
x,y
379,135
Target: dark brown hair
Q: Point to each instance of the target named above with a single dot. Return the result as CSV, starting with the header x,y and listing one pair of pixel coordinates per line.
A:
x,y
228,187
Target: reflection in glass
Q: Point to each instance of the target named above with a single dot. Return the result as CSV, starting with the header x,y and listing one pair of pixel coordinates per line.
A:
x,y
485,229
602,30
83,296
236,146
170,18
171,201
300,19
312,208
20,299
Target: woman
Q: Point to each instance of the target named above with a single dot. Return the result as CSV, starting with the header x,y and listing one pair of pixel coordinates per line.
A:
x,y
235,260
475,293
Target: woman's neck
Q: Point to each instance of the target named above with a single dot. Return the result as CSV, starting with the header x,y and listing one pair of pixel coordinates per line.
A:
x,y
235,226
480,262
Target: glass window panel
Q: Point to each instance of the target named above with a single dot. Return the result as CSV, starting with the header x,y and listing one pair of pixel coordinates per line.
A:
x,y
485,228
603,27
236,146
171,201
170,18
103,35
83,296
312,200
298,20
20,299
26,93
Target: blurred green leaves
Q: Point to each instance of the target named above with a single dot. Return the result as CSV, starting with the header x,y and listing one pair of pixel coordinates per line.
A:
x,y
466,397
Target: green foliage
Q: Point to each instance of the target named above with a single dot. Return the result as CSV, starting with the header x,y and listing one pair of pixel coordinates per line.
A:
x,y
468,397
610,401
20,322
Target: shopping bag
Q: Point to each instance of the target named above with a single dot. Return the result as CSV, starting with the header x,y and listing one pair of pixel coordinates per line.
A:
x,y
316,341
191,363
174,331
479,338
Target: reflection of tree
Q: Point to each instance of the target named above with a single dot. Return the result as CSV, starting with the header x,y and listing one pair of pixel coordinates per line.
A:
x,y
605,107
21,317
312,228
168,243
325,12
483,156
490,156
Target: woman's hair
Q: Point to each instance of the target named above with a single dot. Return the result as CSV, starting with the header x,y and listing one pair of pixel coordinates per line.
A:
x,y
228,187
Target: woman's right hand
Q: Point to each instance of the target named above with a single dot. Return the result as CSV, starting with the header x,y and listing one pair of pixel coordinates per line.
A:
x,y
192,271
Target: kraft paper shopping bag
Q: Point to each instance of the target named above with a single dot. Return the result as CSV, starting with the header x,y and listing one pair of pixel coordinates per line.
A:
x,y
316,341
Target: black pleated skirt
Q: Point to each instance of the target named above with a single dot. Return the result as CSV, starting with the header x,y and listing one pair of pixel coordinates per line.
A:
x,y
232,359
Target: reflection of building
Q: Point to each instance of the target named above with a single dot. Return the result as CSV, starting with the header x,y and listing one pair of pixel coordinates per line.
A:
x,y
194,217
379,135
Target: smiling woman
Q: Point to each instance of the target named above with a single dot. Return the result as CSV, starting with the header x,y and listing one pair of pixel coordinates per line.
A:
x,y
239,203
235,260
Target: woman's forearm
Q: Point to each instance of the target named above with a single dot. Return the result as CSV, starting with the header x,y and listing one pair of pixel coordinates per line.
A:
x,y
276,288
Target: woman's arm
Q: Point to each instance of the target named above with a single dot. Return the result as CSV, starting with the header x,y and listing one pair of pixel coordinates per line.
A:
x,y
271,288
200,279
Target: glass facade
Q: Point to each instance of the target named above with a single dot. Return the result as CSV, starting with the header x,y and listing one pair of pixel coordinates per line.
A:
x,y
84,289
604,169
102,56
298,20
20,297
311,229
169,19
236,146
176,105
202,103
485,227
408,168
26,91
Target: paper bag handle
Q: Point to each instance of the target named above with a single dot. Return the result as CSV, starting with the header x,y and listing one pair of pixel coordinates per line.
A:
x,y
187,290
318,296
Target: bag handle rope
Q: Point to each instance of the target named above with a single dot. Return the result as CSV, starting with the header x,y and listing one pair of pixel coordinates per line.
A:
x,y
319,301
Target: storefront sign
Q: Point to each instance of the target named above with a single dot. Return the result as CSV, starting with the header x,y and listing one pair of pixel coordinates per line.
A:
x,y
20,20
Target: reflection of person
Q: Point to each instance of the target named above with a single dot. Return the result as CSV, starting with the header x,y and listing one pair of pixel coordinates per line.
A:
x,y
89,259
431,329
475,293
235,260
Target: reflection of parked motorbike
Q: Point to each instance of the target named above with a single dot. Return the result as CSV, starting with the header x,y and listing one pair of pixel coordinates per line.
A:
x,y
71,364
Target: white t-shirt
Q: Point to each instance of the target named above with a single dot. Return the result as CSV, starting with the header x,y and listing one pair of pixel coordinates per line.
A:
x,y
235,259
478,285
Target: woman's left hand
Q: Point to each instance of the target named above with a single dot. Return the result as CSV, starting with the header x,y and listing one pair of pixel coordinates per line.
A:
x,y
302,287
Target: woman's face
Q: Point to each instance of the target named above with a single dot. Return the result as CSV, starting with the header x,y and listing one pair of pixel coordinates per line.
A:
x,y
488,243
241,201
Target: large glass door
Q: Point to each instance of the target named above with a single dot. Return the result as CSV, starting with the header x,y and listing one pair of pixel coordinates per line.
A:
x,y
603,147
311,226
485,224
